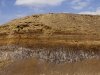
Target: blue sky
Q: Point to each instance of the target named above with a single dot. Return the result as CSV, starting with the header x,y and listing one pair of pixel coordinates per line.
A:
x,y
11,9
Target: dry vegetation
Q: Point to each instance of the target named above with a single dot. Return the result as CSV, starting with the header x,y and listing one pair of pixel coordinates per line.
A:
x,y
54,27
65,30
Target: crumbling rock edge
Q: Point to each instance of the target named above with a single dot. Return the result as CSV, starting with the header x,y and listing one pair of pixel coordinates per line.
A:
x,y
61,55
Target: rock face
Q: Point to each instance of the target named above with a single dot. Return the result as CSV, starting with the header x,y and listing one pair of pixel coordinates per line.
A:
x,y
53,38
58,56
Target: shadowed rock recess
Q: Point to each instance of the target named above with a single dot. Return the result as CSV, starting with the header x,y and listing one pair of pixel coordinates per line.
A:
x,y
59,39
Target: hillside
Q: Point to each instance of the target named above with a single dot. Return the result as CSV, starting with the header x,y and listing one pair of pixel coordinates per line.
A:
x,y
52,28
61,40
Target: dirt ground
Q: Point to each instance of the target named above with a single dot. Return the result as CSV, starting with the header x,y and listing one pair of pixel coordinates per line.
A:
x,y
34,66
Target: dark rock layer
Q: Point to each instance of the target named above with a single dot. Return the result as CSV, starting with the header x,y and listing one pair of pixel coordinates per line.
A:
x,y
59,55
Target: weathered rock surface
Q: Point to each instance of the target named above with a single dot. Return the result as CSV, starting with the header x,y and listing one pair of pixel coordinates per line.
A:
x,y
60,55
53,38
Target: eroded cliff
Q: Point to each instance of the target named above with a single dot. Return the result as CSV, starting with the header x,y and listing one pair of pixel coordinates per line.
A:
x,y
53,38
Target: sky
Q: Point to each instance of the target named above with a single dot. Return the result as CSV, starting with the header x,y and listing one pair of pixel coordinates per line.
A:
x,y
12,9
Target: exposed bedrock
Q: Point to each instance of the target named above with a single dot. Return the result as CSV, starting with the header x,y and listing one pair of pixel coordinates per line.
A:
x,y
57,38
58,55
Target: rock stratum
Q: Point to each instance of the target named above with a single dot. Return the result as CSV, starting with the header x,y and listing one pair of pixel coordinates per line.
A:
x,y
51,44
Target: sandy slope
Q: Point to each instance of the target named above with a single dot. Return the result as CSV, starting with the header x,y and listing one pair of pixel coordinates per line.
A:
x,y
33,66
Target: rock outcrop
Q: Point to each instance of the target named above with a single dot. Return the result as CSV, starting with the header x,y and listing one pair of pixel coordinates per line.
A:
x,y
53,38
60,55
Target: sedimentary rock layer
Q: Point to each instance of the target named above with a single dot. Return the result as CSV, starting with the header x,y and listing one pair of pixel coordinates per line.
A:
x,y
63,39
52,37
55,55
